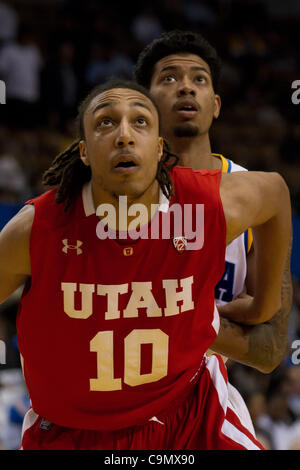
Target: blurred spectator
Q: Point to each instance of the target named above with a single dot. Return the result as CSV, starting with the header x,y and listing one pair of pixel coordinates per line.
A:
x,y
121,64
98,66
293,374
8,22
146,26
14,403
294,324
60,87
256,404
280,421
14,400
20,64
264,438
13,184
199,14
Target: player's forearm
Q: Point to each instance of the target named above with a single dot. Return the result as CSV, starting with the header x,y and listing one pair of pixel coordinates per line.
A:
x,y
260,346
254,346
280,321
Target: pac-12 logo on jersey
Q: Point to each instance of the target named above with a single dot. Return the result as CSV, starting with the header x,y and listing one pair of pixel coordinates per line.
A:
x,y
72,247
180,243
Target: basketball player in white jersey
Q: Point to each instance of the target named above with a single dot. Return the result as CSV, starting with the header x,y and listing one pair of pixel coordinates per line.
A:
x,y
181,70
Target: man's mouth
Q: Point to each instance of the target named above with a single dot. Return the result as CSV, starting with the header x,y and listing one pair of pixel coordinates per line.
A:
x,y
125,164
186,108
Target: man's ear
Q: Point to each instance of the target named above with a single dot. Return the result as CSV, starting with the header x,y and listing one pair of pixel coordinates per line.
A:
x,y
83,153
160,148
217,106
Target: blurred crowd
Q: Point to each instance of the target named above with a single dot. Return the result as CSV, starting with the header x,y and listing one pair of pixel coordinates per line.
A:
x,y
53,52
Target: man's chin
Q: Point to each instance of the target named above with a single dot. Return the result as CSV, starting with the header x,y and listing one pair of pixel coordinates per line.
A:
x,y
186,130
132,190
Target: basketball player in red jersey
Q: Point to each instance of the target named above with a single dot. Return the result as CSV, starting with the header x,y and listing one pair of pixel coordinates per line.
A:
x,y
181,70
112,339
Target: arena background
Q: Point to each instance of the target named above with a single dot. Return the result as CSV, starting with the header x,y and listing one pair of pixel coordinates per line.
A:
x,y
66,47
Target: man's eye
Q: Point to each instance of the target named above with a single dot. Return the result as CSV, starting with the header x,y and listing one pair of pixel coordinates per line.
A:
x,y
104,123
201,79
169,78
141,121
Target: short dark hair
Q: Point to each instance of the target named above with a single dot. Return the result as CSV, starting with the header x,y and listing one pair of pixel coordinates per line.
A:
x,y
174,42
68,172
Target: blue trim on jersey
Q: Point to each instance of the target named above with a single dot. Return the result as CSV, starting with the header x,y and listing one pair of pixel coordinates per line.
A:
x,y
229,166
246,241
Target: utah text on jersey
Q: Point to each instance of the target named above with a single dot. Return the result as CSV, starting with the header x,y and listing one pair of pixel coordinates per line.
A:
x,y
176,290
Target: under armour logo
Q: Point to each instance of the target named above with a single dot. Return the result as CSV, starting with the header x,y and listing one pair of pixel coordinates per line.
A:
x,y
180,243
72,247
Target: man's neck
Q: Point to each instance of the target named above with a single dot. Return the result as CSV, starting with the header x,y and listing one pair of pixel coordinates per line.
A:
x,y
120,205
195,152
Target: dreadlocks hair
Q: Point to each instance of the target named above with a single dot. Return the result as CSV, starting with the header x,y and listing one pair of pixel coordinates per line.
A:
x,y
69,173
176,42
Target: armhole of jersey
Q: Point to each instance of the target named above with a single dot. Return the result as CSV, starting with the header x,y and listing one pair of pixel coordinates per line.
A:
x,y
248,240
226,164
226,168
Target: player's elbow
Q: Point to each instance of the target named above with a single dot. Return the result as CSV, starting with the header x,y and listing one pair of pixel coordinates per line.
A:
x,y
275,360
267,368
280,189
271,362
261,316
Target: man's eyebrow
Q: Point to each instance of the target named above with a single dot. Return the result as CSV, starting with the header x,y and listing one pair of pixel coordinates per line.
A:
x,y
144,105
175,67
102,105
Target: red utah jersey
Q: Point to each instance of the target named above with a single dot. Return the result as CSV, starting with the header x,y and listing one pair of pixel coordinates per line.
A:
x,y
113,332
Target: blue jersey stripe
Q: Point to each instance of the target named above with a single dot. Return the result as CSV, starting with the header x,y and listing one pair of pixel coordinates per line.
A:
x,y
229,166
246,241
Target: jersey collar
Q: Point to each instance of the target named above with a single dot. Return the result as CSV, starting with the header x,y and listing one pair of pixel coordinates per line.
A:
x,y
89,207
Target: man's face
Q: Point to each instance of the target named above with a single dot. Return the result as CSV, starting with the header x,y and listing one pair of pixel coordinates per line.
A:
x,y
182,87
122,143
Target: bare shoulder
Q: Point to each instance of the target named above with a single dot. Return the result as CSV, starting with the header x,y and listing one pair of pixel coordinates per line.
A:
x,y
14,241
242,185
25,216
249,198
19,227
229,181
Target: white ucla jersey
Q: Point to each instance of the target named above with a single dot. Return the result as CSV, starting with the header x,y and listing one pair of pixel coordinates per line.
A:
x,y
233,279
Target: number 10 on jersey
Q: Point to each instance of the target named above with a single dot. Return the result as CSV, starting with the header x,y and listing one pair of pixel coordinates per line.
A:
x,y
103,345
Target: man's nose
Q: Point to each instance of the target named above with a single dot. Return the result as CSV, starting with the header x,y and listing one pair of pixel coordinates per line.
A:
x,y
124,137
186,88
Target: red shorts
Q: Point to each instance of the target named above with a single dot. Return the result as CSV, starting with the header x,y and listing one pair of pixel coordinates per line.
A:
x,y
206,420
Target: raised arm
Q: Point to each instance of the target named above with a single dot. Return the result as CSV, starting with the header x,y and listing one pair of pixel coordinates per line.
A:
x,y
14,252
260,200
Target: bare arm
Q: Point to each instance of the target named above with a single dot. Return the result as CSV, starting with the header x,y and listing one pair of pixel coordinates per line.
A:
x,y
260,346
14,252
260,200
